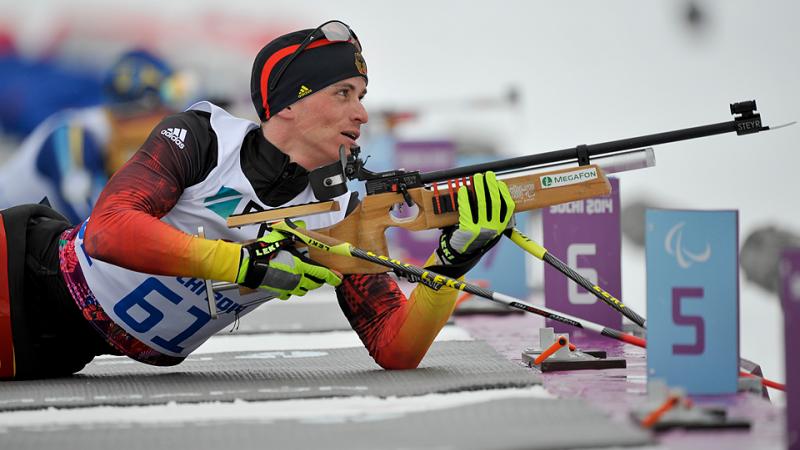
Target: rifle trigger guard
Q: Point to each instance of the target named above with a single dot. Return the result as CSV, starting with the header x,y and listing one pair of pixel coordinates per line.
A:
x,y
583,155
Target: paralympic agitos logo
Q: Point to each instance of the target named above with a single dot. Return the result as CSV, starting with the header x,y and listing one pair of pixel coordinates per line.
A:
x,y
673,244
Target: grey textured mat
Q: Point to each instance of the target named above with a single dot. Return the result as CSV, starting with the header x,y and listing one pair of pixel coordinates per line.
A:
x,y
284,317
271,375
499,424
294,317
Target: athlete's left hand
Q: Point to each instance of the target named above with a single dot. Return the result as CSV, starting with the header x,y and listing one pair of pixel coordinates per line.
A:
x,y
482,218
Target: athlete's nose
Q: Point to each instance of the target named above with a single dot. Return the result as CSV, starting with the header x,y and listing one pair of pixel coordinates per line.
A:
x,y
361,115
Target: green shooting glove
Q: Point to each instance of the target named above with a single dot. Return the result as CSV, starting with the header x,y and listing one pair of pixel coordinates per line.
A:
x,y
272,263
482,218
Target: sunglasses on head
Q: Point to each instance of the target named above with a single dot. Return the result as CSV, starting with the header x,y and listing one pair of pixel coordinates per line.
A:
x,y
332,30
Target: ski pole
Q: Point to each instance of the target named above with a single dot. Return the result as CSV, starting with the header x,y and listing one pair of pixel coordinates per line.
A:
x,y
541,253
437,281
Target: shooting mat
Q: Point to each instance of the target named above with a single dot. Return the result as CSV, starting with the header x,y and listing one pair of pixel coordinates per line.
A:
x,y
292,317
314,312
270,375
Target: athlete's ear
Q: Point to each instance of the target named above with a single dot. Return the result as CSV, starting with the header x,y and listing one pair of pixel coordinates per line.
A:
x,y
286,113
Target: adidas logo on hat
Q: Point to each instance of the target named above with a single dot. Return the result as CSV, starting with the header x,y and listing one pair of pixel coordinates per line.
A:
x,y
304,90
176,135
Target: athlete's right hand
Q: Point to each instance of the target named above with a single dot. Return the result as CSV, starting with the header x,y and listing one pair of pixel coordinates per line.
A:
x,y
272,263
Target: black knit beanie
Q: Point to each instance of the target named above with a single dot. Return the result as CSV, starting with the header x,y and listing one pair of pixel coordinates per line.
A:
x,y
319,65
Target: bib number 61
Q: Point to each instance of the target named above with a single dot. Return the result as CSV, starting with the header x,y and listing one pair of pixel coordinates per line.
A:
x,y
138,298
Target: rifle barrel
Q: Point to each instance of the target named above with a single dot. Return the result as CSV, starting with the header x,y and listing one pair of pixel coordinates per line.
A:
x,y
614,163
531,161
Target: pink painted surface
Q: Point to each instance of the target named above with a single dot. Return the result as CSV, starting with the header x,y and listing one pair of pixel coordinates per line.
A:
x,y
616,391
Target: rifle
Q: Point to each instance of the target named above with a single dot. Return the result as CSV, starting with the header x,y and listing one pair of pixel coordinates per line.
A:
x,y
534,181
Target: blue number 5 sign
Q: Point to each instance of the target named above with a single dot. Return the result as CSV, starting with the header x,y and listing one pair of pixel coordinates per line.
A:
x,y
693,299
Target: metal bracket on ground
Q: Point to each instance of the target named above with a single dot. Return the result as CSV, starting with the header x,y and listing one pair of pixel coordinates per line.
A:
x,y
565,358
666,409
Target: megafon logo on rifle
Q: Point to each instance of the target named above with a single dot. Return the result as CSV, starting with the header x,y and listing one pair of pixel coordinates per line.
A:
x,y
673,244
176,135
565,179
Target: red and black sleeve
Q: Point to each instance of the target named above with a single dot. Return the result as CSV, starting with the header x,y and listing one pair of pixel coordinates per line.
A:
x,y
125,227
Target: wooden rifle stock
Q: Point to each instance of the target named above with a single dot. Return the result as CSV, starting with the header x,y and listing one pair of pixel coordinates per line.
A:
x,y
365,227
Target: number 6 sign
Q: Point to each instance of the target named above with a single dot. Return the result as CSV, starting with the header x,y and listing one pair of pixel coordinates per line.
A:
x,y
693,299
585,233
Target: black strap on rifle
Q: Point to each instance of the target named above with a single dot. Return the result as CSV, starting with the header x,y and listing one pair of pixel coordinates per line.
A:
x,y
583,154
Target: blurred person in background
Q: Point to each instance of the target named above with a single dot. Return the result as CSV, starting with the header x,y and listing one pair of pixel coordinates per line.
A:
x,y
129,280
33,86
69,157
